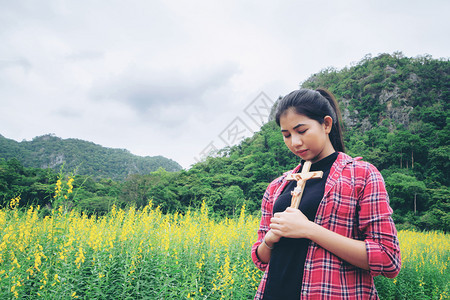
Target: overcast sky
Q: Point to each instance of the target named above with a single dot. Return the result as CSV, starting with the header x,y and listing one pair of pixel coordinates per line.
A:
x,y
178,78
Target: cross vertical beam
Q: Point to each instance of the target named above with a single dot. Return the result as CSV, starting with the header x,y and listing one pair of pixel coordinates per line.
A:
x,y
301,179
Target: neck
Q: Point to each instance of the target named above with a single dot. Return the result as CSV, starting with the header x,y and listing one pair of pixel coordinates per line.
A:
x,y
327,150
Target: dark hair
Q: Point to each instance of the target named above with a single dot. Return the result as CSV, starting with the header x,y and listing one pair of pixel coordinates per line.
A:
x,y
315,104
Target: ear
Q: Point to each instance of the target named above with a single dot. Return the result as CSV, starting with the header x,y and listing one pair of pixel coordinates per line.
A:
x,y
327,124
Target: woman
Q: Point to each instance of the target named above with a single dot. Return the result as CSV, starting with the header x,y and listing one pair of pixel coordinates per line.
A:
x,y
342,235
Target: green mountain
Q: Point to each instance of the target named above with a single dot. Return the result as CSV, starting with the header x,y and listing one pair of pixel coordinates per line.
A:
x,y
396,111
87,158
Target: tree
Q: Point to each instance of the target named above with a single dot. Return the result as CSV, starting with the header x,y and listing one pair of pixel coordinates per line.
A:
x,y
404,188
233,199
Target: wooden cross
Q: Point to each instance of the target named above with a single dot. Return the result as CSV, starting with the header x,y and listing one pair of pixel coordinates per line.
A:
x,y
301,182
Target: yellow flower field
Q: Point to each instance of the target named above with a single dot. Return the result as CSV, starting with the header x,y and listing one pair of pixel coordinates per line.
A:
x,y
138,254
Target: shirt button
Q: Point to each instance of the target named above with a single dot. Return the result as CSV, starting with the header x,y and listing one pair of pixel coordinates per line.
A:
x,y
319,217
306,266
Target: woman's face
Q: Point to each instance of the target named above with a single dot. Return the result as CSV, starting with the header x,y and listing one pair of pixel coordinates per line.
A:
x,y
306,137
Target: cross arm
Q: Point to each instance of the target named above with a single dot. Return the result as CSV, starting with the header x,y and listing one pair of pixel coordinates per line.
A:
x,y
304,176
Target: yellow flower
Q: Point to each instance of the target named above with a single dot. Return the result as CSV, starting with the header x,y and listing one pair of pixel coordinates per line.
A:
x,y
69,184
80,257
58,188
14,202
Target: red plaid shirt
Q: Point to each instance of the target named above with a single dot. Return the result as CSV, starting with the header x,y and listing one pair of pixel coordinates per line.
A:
x,y
355,205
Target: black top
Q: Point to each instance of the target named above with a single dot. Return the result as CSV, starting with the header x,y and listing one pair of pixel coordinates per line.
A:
x,y
288,257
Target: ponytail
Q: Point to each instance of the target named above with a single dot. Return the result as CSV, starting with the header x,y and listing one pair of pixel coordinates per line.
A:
x,y
315,105
336,136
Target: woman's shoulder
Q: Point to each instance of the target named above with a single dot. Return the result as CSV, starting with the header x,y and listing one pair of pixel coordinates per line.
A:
x,y
362,168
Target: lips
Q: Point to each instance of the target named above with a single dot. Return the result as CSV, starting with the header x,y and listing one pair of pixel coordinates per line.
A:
x,y
301,152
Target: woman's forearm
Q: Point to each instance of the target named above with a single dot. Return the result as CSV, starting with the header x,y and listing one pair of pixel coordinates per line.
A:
x,y
264,253
264,250
350,250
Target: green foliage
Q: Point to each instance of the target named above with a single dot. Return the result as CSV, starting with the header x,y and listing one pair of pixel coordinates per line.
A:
x,y
401,187
34,186
99,205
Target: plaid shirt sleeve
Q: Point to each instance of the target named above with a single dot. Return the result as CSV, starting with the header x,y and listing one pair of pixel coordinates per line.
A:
x,y
266,215
376,223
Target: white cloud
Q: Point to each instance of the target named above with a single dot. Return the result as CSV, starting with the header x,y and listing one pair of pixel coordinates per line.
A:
x,y
167,77
146,90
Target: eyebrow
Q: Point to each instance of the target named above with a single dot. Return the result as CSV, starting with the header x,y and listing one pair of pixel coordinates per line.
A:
x,y
295,127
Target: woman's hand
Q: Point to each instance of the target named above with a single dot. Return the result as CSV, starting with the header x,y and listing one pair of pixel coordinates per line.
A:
x,y
291,223
271,238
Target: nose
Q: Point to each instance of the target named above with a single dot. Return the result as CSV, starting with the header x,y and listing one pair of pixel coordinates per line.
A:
x,y
296,141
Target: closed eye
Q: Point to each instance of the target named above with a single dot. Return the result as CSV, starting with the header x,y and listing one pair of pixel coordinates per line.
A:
x,y
287,135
